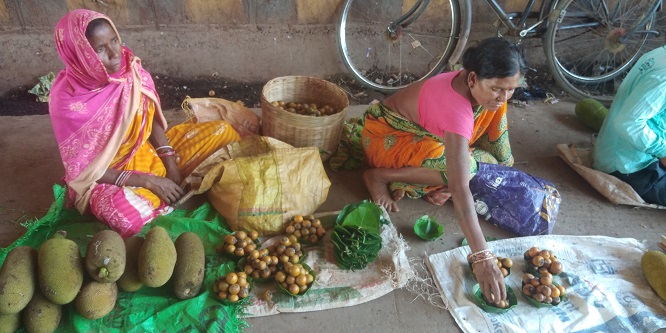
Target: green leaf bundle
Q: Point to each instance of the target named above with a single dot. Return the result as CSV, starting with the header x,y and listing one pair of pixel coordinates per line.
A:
x,y
356,236
355,247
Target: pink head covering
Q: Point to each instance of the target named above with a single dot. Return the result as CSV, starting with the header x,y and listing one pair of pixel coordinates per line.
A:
x,y
90,109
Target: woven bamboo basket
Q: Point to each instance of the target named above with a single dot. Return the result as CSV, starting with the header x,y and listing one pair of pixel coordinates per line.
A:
x,y
303,130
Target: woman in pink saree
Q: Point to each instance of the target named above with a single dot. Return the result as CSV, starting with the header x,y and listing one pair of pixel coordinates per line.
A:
x,y
120,163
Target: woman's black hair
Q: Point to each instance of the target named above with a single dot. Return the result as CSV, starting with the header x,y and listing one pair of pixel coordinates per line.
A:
x,y
494,57
94,24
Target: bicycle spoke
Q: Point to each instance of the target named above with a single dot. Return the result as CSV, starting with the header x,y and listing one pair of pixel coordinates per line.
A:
x,y
387,57
605,10
421,46
596,43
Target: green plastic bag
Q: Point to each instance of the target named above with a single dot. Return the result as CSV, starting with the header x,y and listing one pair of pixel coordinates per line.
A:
x,y
148,309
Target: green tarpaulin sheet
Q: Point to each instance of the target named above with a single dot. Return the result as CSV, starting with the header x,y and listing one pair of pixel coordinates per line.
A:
x,y
149,309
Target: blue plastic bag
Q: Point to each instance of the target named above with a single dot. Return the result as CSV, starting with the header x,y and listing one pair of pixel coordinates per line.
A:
x,y
514,200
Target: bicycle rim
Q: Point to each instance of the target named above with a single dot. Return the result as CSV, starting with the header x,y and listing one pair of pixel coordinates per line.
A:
x,y
386,62
590,49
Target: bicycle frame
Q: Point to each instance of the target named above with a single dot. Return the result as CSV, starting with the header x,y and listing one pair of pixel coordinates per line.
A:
x,y
547,8
617,31
516,29
407,19
506,19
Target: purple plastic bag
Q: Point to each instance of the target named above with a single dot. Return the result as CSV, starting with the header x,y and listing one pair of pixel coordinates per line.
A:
x,y
514,200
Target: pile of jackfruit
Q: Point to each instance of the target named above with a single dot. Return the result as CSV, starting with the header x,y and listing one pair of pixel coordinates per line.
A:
x,y
35,284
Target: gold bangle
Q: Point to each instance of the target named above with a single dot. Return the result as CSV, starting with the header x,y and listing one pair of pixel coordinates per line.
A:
x,y
483,259
476,256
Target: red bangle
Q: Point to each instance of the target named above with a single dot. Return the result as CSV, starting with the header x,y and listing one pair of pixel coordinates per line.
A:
x,y
170,153
167,153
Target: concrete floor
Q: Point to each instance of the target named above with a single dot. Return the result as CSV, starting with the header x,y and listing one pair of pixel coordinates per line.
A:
x,y
30,165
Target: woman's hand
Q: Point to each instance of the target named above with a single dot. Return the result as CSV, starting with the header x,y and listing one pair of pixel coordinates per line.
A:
x,y
491,280
663,161
165,188
172,170
158,139
487,273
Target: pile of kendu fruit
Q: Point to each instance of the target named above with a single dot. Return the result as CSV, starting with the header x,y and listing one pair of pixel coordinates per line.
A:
x,y
35,284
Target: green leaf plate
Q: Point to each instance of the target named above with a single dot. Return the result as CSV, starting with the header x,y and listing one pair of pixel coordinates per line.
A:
x,y
428,228
284,290
240,301
510,296
538,304
364,214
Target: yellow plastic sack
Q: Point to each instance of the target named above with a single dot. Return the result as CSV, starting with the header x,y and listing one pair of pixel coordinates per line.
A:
x,y
242,119
260,183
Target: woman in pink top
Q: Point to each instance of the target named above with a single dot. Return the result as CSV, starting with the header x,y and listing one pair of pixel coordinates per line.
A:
x,y
403,140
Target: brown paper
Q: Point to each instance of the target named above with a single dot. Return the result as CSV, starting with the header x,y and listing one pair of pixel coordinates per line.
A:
x,y
242,119
617,191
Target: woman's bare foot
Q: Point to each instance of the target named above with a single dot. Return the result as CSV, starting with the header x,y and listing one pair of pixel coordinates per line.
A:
x,y
398,195
438,197
378,189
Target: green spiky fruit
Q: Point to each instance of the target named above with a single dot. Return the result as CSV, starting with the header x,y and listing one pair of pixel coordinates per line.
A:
x,y
157,258
105,256
18,277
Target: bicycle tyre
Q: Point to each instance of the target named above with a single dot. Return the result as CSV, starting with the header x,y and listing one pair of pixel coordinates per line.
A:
x,y
592,61
423,48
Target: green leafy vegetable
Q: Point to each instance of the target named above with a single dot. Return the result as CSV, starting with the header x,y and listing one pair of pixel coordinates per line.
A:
x,y
43,88
355,247
356,235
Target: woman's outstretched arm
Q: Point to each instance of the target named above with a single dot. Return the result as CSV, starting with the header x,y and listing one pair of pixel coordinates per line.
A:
x,y
487,273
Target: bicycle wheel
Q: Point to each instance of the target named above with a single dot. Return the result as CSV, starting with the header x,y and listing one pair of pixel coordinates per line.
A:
x,y
387,58
594,43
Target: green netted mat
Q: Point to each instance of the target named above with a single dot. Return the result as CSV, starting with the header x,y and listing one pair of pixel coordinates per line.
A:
x,y
149,309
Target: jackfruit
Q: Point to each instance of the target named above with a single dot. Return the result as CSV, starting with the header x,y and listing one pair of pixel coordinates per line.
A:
x,y
653,264
96,299
59,269
130,280
157,258
591,113
105,256
41,315
190,265
18,277
10,323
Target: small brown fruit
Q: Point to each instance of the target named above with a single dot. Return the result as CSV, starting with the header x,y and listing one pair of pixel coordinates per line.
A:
x,y
538,261
556,267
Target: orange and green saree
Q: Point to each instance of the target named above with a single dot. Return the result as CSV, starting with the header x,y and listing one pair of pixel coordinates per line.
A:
x,y
383,138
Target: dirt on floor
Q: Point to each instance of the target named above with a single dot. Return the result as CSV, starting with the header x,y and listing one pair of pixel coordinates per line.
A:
x,y
173,90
